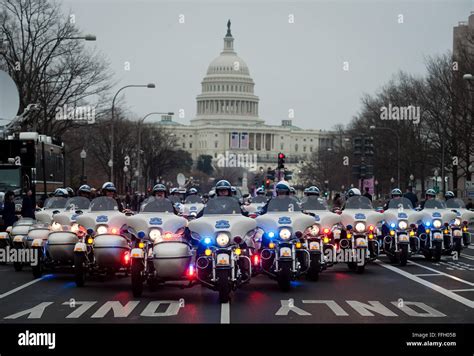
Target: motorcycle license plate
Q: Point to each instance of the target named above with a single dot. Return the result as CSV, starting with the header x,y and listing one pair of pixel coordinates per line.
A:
x,y
403,238
437,236
314,245
285,252
223,259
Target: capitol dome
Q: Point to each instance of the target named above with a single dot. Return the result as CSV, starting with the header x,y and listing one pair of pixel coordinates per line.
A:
x,y
227,92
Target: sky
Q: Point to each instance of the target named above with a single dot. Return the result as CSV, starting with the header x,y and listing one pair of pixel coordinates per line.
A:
x,y
296,66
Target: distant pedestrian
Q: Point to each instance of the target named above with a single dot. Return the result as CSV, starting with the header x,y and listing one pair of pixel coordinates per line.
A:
x,y
27,208
411,196
367,194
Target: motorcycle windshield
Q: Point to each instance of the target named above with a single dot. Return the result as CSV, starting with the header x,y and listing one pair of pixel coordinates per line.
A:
x,y
175,199
77,203
55,203
283,203
259,199
103,204
192,199
455,204
358,202
435,204
397,203
158,205
313,203
222,205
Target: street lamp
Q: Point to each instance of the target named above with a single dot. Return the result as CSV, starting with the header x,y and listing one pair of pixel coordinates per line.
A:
x,y
83,156
111,162
398,147
468,76
140,122
392,180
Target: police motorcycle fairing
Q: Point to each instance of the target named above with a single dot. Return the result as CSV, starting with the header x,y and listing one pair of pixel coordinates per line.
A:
x,y
399,230
192,207
283,253
459,226
432,229
106,247
17,237
359,243
322,238
51,207
225,246
57,247
163,252
253,206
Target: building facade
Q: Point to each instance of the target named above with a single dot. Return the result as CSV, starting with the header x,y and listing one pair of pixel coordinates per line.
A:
x,y
227,120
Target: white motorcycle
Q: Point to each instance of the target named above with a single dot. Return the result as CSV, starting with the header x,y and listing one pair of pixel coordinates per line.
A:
x,y
433,232
459,226
359,244
163,252
400,225
192,207
225,247
323,237
106,248
283,252
17,237
57,247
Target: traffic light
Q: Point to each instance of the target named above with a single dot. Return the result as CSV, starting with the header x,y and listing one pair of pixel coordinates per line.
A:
x,y
281,160
288,175
368,146
271,174
267,183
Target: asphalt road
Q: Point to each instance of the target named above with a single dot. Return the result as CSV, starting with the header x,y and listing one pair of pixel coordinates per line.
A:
x,y
421,292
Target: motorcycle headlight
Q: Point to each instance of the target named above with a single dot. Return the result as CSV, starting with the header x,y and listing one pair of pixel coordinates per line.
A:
x,y
437,223
102,229
75,228
285,233
222,239
457,221
402,225
360,227
313,230
56,226
155,235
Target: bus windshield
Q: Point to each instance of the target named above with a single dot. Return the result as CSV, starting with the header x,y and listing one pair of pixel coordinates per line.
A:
x,y
9,178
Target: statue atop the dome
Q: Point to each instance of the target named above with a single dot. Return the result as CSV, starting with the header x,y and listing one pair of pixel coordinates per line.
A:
x,y
228,29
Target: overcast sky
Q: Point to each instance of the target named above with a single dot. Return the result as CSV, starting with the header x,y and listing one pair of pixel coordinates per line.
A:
x,y
295,66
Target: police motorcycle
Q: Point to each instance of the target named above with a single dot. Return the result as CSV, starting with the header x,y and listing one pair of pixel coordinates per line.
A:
x,y
459,226
106,247
225,244
17,237
192,205
359,243
164,252
322,237
432,231
400,240
57,248
281,229
253,206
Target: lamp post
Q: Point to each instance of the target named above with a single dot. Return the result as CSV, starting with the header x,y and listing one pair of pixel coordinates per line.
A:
x,y
392,180
398,147
111,162
83,158
140,122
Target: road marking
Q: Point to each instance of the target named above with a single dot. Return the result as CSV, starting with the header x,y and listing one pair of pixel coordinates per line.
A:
x,y
462,290
225,313
433,286
6,294
467,256
428,275
444,274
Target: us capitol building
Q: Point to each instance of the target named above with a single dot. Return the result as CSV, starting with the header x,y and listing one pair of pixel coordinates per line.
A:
x,y
227,123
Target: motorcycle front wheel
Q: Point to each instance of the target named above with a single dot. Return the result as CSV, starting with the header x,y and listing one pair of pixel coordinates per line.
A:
x,y
284,275
79,269
438,249
403,255
137,278
38,269
223,285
